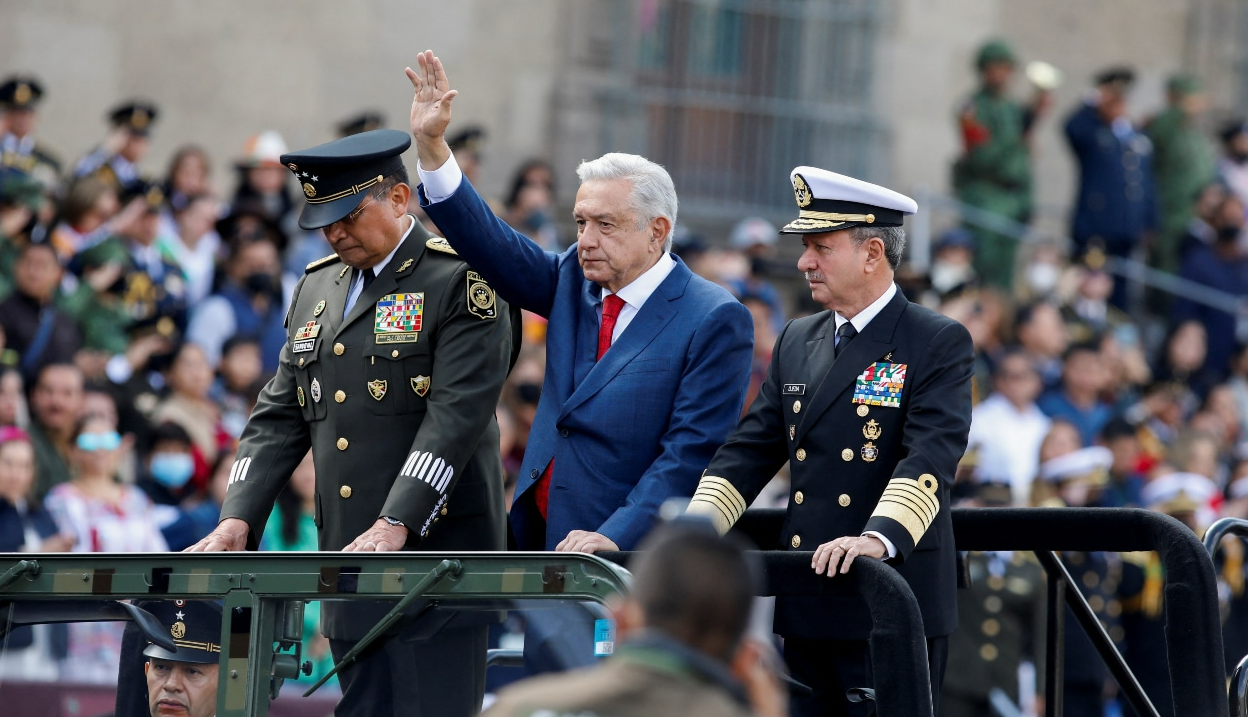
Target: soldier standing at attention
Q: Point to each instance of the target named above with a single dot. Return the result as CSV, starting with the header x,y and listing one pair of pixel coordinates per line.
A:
x,y
19,98
395,358
1182,165
870,403
994,171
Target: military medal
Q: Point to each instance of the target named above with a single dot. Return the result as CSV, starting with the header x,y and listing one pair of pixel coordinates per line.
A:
x,y
872,430
320,306
863,410
299,395
377,389
305,337
420,384
399,318
797,406
316,391
870,452
880,385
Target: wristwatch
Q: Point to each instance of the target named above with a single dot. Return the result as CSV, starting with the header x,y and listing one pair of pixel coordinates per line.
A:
x,y
393,521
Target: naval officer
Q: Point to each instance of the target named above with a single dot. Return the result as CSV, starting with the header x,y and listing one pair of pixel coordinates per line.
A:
x,y
395,356
870,403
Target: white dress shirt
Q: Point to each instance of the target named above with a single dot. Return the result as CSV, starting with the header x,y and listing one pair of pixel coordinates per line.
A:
x,y
1007,443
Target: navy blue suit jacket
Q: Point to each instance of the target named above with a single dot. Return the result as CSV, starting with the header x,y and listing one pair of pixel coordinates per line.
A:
x,y
1117,200
629,431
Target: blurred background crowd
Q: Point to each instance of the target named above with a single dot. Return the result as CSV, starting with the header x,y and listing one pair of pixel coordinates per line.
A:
x,y
141,311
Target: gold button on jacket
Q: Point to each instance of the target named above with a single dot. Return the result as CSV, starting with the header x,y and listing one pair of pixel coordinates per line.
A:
x,y
340,396
801,454
345,491
796,542
342,444
338,349
844,500
798,497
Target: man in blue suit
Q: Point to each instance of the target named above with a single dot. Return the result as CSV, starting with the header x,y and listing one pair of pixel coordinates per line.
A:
x,y
647,364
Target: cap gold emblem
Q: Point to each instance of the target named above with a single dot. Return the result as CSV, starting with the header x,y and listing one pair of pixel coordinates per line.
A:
x,y
309,190
178,630
22,94
801,191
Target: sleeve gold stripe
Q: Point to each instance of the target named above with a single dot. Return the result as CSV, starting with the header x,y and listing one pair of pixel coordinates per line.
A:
x,y
719,500
912,503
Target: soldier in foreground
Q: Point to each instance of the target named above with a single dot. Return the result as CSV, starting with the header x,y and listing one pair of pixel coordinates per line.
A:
x,y
870,403
395,358
183,683
684,650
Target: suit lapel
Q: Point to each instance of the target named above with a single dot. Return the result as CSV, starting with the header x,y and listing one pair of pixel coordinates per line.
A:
x,y
655,314
869,346
413,248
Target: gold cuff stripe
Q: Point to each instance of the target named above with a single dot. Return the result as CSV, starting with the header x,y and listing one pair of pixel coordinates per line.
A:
x,y
715,484
353,189
911,503
834,217
923,504
205,646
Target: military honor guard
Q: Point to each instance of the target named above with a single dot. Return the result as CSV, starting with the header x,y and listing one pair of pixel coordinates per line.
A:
x,y
396,354
19,100
116,160
994,170
870,404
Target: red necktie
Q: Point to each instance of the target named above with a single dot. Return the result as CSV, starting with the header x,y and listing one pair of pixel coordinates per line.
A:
x,y
611,307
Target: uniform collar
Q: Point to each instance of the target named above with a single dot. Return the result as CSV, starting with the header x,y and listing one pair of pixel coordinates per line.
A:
x,y
640,289
865,316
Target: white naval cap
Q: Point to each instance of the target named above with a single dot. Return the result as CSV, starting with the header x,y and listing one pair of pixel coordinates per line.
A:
x,y
1090,465
1179,491
828,201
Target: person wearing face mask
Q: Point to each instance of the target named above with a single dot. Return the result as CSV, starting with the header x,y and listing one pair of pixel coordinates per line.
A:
x,y
251,303
169,466
1233,167
1224,266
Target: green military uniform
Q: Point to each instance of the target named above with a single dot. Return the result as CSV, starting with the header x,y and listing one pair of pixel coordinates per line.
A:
x,y
1182,166
396,399
1000,624
994,171
649,680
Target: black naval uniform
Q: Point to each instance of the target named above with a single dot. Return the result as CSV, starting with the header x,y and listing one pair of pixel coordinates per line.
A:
x,y
401,424
856,467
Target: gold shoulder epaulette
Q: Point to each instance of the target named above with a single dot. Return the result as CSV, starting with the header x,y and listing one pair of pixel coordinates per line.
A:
x,y
440,244
321,263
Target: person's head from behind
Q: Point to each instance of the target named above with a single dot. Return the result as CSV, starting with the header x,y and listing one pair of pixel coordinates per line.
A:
x,y
56,400
692,586
625,212
183,683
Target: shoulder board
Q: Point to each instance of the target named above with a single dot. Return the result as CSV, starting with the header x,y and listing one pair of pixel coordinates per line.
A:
x,y
321,263
440,244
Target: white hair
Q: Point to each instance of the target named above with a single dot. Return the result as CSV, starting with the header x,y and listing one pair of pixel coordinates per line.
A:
x,y
653,194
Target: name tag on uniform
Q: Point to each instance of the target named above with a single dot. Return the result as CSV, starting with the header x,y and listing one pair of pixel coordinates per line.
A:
x,y
305,338
794,389
881,385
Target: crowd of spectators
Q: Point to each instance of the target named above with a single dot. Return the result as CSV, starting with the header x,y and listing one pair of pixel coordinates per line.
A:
x,y
141,316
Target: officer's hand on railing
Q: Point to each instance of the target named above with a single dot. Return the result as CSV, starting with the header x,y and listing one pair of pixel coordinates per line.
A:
x,y
380,538
229,535
842,551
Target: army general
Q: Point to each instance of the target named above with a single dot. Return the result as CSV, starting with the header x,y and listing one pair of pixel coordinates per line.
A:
x,y
396,353
870,403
